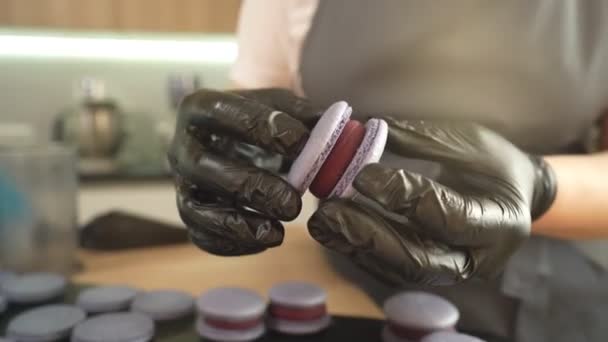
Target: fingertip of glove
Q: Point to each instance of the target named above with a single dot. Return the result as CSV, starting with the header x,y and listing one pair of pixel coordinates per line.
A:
x,y
270,234
287,205
325,216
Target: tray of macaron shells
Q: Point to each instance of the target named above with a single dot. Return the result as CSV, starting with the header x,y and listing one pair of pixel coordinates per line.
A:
x,y
45,307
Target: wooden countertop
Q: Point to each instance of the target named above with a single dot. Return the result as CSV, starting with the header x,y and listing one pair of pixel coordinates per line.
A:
x,y
186,268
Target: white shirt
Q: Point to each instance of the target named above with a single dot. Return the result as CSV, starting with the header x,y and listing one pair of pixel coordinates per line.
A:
x,y
270,37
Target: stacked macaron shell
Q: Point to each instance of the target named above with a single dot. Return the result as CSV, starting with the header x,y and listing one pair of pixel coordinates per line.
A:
x,y
337,149
414,315
450,336
297,308
231,314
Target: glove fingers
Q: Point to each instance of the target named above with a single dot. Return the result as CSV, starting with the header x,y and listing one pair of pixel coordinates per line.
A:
x,y
224,230
439,211
285,101
371,242
210,112
454,144
244,184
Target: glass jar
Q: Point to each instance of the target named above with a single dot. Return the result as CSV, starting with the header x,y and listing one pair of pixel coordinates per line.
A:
x,y
38,194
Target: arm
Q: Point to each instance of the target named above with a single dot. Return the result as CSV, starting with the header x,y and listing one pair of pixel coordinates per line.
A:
x,y
262,59
580,209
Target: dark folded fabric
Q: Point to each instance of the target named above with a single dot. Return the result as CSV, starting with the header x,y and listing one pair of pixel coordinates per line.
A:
x,y
118,230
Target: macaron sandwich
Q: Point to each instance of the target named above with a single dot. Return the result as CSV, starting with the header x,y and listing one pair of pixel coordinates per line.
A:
x,y
338,148
298,308
230,314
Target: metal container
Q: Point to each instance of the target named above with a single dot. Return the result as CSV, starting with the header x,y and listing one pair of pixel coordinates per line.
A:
x,y
38,211
96,129
94,125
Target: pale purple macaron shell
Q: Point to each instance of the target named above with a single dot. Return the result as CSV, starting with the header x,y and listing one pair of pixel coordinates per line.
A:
x,y
319,145
105,299
231,304
421,310
297,294
370,151
46,323
34,287
450,336
116,327
163,305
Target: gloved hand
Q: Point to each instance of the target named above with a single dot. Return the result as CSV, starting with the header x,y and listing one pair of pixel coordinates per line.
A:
x,y
405,228
232,207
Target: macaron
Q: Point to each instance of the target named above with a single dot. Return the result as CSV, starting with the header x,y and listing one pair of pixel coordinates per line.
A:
x,y
450,336
46,323
337,149
370,151
115,327
230,314
413,315
164,305
105,299
297,308
34,288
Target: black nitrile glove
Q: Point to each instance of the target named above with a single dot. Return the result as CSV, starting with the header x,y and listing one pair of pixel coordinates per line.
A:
x,y
404,228
231,206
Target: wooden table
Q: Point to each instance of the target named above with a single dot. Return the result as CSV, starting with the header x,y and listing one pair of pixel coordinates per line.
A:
x,y
187,268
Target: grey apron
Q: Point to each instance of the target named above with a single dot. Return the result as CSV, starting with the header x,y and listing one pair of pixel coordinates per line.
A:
x,y
535,71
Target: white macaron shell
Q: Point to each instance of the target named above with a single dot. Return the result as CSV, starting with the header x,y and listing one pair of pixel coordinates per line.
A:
x,y
320,143
34,287
117,327
46,323
215,334
370,151
104,299
231,304
421,310
295,294
450,336
161,305
299,327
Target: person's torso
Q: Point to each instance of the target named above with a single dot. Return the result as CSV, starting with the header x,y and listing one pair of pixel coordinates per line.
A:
x,y
535,71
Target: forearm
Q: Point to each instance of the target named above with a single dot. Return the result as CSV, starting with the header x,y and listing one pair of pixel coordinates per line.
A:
x,y
580,210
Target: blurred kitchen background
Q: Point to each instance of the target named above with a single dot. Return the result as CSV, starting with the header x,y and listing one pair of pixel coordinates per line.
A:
x,y
107,74
99,81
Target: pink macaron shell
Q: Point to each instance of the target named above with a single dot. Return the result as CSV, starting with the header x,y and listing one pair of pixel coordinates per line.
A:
x,y
319,145
369,152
